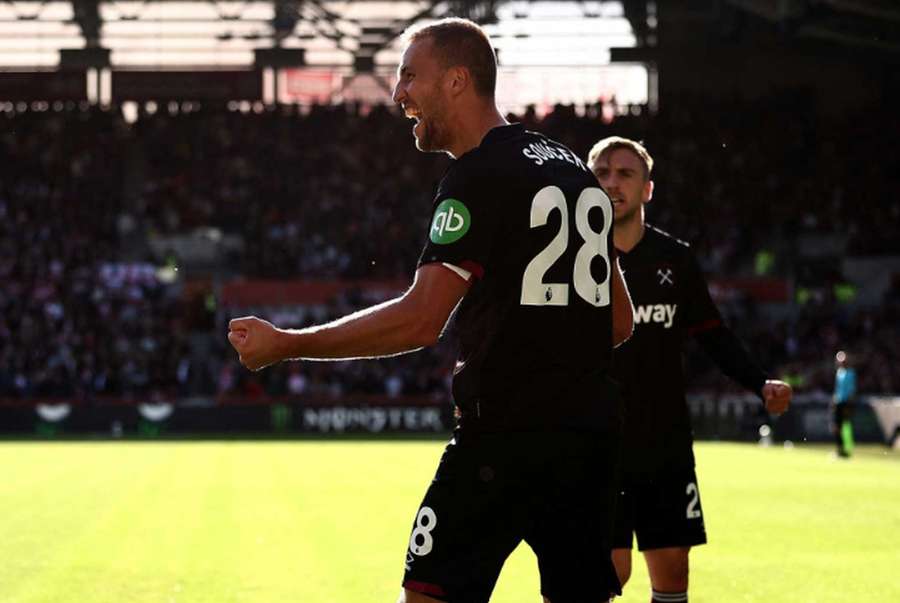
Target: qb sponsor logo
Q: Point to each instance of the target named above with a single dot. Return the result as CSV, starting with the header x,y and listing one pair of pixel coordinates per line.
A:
x,y
451,222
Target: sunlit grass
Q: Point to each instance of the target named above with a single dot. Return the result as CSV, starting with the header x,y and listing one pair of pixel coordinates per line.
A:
x,y
329,521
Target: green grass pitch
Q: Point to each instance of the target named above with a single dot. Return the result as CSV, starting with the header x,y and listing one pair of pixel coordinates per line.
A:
x,y
328,521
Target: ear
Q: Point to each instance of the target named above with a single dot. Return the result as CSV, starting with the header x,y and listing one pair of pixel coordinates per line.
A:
x,y
457,79
648,191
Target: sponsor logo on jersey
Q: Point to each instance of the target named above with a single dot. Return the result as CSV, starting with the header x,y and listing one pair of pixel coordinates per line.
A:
x,y
663,314
451,222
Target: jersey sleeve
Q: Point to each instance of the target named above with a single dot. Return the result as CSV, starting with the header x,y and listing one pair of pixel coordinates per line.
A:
x,y
703,320
700,313
461,229
726,350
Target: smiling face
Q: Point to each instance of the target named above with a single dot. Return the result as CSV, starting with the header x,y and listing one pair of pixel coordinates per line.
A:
x,y
419,91
622,174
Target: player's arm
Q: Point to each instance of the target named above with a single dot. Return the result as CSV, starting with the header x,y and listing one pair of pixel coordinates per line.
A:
x,y
724,347
726,350
622,312
409,322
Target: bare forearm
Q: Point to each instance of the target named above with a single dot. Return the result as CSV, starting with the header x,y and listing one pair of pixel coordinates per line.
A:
x,y
407,323
387,329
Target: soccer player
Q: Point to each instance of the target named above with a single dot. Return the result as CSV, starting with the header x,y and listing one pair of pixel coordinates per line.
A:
x,y
659,499
844,392
521,240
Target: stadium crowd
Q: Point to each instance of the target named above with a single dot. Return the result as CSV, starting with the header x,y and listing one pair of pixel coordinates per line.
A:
x,y
340,192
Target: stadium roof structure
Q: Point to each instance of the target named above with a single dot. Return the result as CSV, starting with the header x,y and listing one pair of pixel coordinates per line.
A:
x,y
869,24
361,34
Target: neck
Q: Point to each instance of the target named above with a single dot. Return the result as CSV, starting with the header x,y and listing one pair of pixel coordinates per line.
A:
x,y
473,127
628,233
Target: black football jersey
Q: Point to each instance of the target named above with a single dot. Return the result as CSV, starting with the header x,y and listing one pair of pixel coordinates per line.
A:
x,y
527,218
671,302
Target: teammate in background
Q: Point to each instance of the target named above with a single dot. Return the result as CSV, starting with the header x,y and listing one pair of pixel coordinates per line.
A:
x,y
844,392
659,500
521,239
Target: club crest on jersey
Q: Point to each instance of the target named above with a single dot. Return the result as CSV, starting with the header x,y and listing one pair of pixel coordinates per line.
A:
x,y
666,276
450,223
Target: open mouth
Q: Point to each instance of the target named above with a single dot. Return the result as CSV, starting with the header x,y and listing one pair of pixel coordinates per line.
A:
x,y
413,114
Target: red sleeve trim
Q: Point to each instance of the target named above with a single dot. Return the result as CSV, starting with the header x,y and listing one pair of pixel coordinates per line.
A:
x,y
424,588
704,326
474,267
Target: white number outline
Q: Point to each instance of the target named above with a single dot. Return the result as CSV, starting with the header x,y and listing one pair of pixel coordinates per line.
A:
x,y
535,292
596,294
692,511
423,530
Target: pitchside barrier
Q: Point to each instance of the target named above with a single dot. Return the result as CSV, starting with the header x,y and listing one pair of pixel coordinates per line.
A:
x,y
226,416
723,417
740,417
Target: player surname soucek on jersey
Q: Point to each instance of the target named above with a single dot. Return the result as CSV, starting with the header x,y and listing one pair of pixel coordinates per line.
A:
x,y
671,303
526,220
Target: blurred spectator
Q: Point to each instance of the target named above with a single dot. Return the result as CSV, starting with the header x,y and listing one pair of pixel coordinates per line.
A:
x,y
340,193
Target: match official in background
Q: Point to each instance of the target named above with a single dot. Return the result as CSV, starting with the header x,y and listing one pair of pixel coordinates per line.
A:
x,y
844,392
521,240
659,499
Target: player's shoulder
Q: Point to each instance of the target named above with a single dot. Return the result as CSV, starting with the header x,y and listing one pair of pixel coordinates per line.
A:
x,y
488,157
485,169
539,149
515,147
662,239
663,246
511,157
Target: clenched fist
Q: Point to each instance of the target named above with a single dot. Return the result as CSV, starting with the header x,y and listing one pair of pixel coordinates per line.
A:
x,y
256,341
777,396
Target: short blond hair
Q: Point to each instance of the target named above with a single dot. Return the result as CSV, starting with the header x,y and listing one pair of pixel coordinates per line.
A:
x,y
610,144
461,43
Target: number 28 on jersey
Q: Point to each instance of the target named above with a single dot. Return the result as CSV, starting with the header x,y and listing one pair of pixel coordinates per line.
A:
x,y
535,292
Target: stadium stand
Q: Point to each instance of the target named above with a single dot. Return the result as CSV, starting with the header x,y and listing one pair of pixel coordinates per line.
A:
x,y
94,209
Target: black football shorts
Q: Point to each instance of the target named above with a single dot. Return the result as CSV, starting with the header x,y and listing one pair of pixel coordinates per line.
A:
x,y
491,491
663,512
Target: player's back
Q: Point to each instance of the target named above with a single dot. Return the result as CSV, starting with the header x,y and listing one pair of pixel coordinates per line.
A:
x,y
535,329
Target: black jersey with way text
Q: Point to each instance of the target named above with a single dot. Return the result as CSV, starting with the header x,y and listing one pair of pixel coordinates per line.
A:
x,y
526,217
671,302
